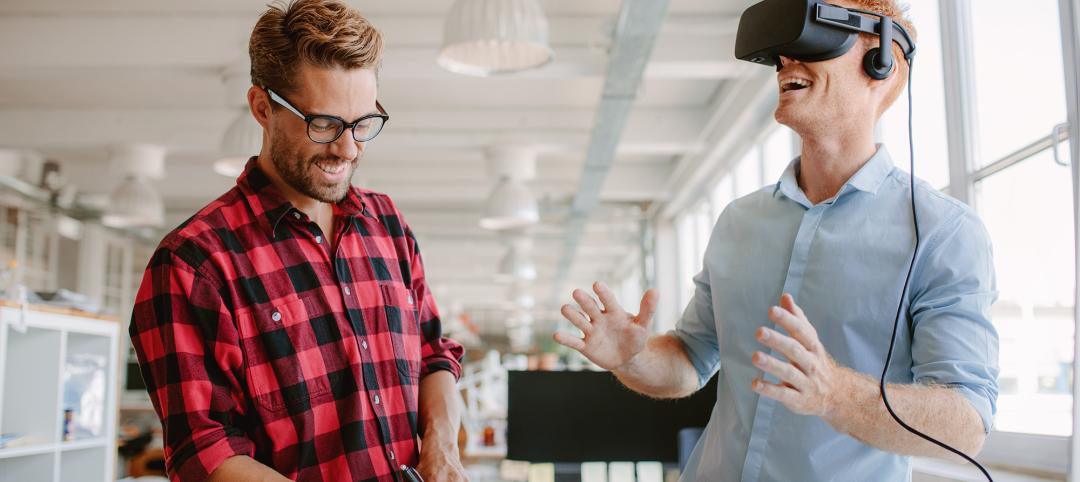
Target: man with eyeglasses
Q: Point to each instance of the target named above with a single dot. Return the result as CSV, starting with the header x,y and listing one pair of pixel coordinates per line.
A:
x,y
286,330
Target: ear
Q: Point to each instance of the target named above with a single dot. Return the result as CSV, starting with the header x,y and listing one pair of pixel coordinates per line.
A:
x,y
259,103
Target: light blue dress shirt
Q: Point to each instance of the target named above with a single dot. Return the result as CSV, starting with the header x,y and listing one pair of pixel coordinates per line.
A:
x,y
844,261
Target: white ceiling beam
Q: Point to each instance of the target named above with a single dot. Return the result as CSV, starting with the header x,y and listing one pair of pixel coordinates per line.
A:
x,y
371,8
117,42
197,131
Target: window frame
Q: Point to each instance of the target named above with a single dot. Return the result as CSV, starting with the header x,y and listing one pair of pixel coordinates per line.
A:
x,y
1011,449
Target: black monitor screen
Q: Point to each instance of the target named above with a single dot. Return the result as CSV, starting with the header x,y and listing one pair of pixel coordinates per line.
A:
x,y
589,416
134,378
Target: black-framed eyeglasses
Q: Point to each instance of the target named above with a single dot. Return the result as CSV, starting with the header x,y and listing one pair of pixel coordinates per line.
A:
x,y
325,129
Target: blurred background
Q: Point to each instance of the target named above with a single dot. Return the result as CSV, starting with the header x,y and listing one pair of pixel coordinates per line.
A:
x,y
601,146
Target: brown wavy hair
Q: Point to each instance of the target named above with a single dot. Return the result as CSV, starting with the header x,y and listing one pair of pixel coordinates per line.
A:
x,y
320,33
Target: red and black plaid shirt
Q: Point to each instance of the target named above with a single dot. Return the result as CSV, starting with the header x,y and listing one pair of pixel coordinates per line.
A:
x,y
254,338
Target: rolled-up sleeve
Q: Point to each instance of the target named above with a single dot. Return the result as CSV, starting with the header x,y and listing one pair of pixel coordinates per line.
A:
x,y
190,358
437,351
954,342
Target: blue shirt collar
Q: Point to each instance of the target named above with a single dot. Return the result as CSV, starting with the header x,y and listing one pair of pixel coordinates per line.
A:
x,y
867,179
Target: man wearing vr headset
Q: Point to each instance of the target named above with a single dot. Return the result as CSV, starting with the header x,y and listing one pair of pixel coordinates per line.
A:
x,y
797,397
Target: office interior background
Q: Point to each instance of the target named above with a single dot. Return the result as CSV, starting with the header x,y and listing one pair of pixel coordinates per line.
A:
x,y
610,161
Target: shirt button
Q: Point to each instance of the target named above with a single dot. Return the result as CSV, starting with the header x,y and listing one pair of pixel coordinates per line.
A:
x,y
347,291
363,343
276,316
410,299
296,215
391,455
318,239
376,399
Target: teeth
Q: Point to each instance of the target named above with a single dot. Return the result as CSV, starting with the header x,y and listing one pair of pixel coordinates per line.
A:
x,y
786,83
334,169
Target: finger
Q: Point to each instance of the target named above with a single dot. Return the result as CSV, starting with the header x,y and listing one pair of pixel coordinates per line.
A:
x,y
783,371
780,393
787,302
569,341
798,327
607,297
588,305
786,345
647,308
575,317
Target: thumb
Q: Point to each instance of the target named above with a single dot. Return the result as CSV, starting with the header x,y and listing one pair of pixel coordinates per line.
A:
x,y
647,308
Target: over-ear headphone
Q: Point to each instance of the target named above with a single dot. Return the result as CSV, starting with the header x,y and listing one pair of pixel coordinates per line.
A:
x,y
878,62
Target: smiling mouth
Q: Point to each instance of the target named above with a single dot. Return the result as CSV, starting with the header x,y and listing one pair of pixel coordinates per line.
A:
x,y
331,167
794,84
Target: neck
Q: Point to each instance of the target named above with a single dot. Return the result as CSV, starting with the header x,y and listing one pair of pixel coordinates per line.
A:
x,y
316,210
828,161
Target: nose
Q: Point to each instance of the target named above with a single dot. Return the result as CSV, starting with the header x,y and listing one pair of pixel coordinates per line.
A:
x,y
784,61
345,147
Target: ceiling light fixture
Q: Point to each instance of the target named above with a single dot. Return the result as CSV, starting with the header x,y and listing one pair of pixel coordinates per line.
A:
x,y
487,37
135,203
511,204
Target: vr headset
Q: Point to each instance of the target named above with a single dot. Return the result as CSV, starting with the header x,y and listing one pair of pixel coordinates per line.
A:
x,y
812,31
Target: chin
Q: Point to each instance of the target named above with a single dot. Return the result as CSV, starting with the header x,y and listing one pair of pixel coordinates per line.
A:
x,y
786,116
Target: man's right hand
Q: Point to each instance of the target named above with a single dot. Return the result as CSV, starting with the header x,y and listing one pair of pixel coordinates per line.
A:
x,y
613,337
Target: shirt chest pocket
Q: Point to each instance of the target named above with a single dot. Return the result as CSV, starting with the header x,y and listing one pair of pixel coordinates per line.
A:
x,y
402,312
283,363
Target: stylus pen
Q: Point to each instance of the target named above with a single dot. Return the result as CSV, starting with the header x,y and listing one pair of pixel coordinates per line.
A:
x,y
410,474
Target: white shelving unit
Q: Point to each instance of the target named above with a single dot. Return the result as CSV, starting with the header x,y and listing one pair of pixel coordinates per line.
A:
x,y
34,346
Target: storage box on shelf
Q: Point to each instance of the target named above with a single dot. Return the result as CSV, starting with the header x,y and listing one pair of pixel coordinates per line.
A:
x,y
44,355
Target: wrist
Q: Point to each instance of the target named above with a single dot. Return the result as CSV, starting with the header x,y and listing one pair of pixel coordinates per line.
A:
x,y
439,440
629,366
852,390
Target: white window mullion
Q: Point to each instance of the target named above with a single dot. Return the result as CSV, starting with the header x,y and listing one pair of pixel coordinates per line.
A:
x,y
960,110
1070,32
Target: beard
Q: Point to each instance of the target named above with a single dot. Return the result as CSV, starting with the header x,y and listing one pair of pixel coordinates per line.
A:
x,y
303,174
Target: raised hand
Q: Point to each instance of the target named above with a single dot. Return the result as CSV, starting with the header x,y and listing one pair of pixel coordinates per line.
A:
x,y
612,336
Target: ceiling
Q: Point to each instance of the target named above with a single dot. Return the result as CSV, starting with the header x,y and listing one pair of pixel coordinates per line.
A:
x,y
77,76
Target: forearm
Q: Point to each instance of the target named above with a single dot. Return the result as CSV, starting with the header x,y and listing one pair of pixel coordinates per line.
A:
x,y
440,410
242,468
661,370
937,411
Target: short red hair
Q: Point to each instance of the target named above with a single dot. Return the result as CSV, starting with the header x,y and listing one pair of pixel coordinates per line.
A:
x,y
898,12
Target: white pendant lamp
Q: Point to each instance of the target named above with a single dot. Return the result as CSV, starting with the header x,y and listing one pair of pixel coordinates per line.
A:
x,y
486,37
517,265
135,203
511,204
242,140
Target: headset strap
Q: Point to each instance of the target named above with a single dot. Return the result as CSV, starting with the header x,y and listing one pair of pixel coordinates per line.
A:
x,y
863,21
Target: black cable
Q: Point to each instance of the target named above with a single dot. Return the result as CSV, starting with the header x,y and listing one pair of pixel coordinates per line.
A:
x,y
903,295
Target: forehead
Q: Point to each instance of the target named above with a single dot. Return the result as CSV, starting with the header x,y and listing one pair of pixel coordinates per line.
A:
x,y
347,93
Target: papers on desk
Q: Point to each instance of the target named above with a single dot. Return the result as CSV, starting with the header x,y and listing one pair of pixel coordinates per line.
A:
x,y
542,473
590,472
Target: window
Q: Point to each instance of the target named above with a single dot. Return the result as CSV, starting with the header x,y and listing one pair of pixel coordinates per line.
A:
x,y
1025,200
928,85
1016,79
1026,209
748,173
684,236
777,152
722,194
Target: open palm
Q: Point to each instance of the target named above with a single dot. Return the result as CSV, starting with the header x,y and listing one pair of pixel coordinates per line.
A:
x,y
612,337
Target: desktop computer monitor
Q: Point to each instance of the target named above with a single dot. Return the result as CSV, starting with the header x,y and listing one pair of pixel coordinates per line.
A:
x,y
589,416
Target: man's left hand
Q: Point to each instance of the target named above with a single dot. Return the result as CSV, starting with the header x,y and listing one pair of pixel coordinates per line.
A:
x,y
440,463
810,380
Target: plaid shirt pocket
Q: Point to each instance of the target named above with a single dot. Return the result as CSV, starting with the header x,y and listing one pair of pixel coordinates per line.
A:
x,y
403,321
283,365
